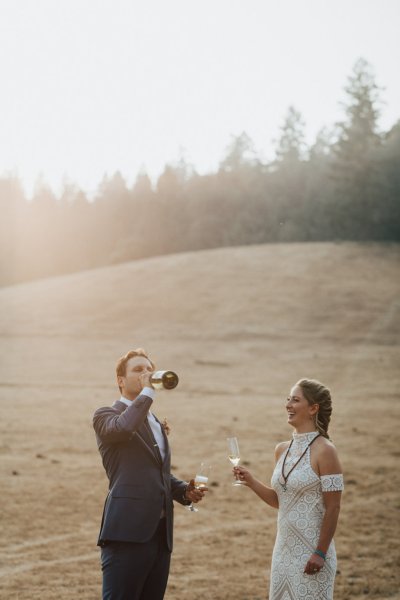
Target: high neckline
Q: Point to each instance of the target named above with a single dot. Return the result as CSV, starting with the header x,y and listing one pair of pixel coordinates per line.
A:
x,y
308,435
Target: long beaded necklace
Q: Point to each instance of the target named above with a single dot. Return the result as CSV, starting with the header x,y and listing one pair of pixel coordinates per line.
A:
x,y
295,464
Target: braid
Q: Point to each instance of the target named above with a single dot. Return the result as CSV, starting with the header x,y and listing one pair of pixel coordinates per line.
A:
x,y
316,393
321,427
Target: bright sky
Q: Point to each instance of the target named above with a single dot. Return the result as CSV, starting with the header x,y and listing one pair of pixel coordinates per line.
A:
x,y
95,86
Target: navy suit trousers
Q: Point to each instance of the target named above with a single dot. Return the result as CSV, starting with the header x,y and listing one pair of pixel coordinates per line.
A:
x,y
136,571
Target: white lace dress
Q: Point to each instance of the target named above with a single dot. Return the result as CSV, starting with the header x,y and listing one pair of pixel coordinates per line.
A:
x,y
301,510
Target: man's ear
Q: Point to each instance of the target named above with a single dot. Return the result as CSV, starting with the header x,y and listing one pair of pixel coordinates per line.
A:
x,y
120,380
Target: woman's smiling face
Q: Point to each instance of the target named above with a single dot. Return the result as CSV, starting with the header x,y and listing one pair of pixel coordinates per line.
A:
x,y
299,411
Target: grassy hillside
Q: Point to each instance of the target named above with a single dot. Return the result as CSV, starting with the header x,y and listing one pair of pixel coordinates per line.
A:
x,y
240,326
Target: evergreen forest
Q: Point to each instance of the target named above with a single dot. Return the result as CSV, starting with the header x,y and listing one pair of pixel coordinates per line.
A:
x,y
346,186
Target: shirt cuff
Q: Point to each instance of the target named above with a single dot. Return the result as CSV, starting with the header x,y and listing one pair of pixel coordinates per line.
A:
x,y
185,500
148,391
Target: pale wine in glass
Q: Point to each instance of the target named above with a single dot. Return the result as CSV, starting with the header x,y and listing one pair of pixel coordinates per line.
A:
x,y
234,455
200,481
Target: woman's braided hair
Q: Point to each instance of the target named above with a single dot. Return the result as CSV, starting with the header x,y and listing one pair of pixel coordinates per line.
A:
x,y
316,393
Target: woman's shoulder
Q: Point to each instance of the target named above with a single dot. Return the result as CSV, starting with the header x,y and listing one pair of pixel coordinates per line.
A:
x,y
327,456
325,446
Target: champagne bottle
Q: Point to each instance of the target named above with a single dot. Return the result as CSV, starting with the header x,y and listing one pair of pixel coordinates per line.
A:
x,y
164,380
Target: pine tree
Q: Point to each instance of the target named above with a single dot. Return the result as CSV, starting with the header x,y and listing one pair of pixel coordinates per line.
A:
x,y
355,168
289,179
291,144
240,153
358,135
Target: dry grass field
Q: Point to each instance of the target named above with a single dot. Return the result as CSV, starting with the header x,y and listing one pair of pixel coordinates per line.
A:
x,y
240,326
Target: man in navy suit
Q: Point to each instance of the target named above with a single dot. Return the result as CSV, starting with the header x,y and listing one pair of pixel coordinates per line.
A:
x,y
137,525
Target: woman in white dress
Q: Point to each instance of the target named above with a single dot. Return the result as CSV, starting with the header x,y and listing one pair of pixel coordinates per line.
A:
x,y
307,484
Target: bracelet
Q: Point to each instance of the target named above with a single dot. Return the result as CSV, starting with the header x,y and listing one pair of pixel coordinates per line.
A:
x,y
320,553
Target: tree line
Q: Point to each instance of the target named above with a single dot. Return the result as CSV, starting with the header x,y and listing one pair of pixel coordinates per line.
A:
x,y
346,186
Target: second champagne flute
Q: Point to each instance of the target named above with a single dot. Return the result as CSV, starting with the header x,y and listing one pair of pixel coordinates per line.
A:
x,y
234,456
200,481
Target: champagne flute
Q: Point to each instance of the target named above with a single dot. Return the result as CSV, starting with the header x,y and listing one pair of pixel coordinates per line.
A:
x,y
234,455
200,482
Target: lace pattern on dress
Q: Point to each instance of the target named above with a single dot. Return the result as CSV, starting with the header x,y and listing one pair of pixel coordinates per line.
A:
x,y
332,483
300,516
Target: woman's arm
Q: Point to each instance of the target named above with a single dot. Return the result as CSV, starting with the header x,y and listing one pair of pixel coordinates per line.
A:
x,y
329,522
328,465
264,492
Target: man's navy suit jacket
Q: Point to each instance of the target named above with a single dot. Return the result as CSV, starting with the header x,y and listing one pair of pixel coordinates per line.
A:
x,y
141,487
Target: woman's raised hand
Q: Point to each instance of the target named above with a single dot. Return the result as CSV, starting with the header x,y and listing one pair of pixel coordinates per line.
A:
x,y
243,475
